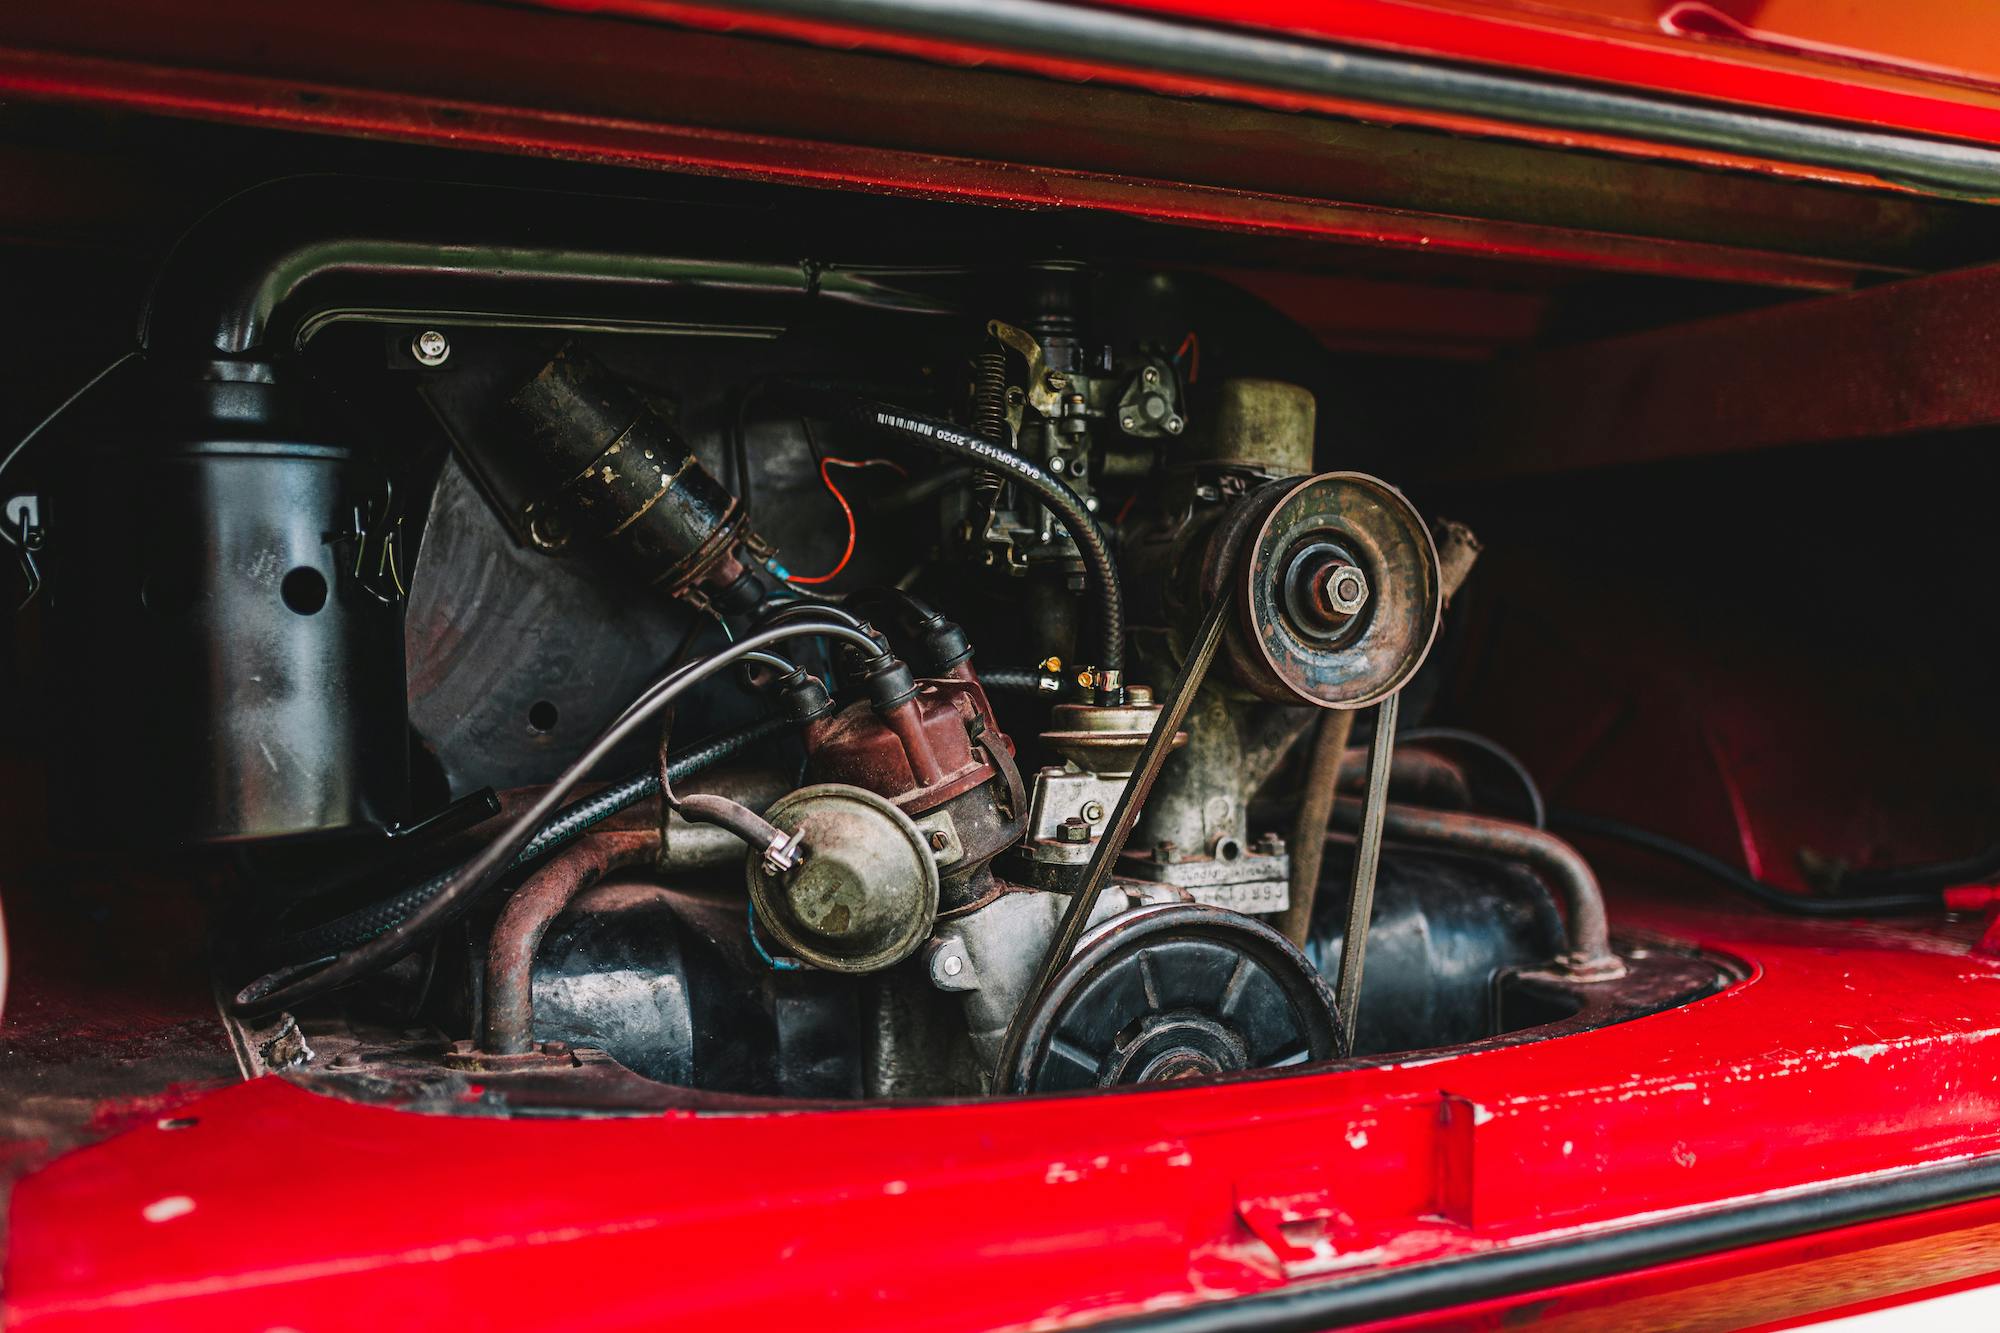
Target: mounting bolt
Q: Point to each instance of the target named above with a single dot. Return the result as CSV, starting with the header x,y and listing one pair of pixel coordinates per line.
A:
x,y
1166,851
1093,810
950,968
1129,422
1150,375
1347,589
430,348
939,840
1073,830
1174,425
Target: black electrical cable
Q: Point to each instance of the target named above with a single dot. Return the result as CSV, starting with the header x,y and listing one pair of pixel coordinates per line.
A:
x,y
877,593
778,610
838,404
1537,808
1027,682
1575,821
21,445
563,828
288,987
1981,867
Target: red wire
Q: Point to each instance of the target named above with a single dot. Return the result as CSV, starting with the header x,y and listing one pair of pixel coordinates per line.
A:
x,y
825,476
1191,348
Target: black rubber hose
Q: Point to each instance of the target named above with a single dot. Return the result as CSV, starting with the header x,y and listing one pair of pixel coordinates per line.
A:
x,y
296,985
1538,810
1900,904
837,404
1027,682
563,828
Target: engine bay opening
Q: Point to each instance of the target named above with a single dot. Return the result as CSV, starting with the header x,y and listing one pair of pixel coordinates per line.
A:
x,y
608,676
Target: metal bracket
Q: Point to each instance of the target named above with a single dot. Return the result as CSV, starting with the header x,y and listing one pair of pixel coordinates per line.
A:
x,y
942,835
24,514
1159,744
1044,395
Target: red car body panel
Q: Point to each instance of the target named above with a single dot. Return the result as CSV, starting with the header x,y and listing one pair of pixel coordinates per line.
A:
x,y
1031,1213
1847,1054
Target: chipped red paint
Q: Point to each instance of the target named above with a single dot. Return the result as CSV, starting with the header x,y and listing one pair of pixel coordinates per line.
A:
x,y
1001,1215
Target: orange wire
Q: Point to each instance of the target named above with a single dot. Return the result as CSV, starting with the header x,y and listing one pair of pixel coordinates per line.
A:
x,y
825,476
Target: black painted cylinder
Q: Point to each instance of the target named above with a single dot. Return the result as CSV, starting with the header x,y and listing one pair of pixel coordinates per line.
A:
x,y
621,475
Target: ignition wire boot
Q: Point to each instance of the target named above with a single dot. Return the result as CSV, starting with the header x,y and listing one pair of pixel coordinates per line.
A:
x,y
802,696
888,681
941,644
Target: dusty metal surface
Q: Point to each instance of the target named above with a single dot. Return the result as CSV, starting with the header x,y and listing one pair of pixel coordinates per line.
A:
x,y
510,953
867,891
1337,590
500,685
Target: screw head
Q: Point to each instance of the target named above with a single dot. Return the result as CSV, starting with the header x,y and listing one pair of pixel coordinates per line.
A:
x,y
1174,425
430,348
1150,375
939,840
1093,810
953,965
1129,422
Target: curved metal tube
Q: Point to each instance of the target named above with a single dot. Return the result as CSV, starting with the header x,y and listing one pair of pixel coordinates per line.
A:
x,y
509,1026
1590,957
259,275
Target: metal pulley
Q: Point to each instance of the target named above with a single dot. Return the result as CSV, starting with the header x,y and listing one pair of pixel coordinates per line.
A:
x,y
866,892
1338,589
1174,992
